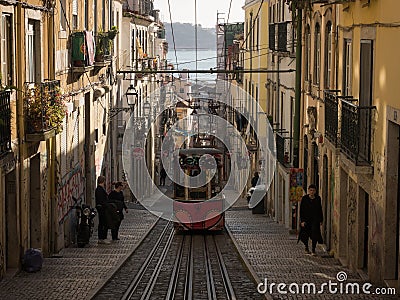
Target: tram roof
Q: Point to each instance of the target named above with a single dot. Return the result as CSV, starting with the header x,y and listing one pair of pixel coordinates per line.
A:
x,y
199,151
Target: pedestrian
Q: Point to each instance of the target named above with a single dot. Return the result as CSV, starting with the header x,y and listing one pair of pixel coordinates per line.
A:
x,y
254,180
117,196
101,198
163,175
311,219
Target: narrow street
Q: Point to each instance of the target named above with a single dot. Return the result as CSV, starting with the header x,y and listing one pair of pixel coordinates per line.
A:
x,y
81,273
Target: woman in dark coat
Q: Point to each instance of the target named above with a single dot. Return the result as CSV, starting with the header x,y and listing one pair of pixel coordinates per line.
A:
x,y
311,219
116,196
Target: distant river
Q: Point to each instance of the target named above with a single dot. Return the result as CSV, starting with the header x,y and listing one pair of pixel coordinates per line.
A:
x,y
206,59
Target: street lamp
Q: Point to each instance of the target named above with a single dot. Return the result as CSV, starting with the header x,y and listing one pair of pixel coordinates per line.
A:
x,y
146,109
131,95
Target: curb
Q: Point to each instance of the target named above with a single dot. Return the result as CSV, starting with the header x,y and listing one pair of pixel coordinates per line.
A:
x,y
242,256
115,269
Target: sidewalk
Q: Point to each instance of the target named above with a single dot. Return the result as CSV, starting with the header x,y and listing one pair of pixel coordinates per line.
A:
x,y
76,272
275,255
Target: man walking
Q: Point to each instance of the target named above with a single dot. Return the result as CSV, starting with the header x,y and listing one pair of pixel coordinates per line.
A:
x,y
311,219
101,206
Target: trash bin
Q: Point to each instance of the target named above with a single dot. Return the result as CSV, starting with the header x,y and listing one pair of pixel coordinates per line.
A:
x,y
256,203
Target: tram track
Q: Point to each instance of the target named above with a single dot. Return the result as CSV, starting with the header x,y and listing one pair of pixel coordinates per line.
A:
x,y
182,266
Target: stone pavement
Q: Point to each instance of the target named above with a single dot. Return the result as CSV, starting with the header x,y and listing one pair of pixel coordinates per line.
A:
x,y
273,253
77,272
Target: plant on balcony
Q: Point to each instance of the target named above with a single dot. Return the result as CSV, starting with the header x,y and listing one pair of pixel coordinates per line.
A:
x,y
112,33
45,109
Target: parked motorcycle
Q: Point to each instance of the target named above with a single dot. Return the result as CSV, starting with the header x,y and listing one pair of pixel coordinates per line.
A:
x,y
85,223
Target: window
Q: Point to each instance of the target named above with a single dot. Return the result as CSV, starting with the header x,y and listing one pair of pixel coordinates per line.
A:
x,y
317,54
32,55
75,14
328,54
258,34
347,71
308,52
86,8
6,53
63,22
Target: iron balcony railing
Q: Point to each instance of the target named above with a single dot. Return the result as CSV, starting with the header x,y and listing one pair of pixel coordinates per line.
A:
x,y
283,148
5,122
348,126
331,116
356,131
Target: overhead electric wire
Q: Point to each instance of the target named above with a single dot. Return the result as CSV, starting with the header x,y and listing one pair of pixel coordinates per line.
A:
x,y
229,11
173,35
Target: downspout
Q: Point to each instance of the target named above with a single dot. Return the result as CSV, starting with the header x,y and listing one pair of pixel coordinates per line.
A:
x,y
296,135
51,146
20,122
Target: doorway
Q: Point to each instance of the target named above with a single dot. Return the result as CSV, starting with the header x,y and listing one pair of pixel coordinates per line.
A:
x,y
12,236
35,216
392,211
326,203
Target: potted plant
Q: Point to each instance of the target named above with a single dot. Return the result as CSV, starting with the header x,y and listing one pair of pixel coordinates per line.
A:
x,y
113,32
45,109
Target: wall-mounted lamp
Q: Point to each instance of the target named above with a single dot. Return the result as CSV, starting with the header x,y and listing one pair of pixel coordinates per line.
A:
x,y
131,95
131,98
146,109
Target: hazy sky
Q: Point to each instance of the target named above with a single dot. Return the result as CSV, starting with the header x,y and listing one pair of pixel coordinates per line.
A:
x,y
183,11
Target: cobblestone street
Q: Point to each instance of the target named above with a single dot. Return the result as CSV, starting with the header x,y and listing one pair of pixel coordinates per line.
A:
x,y
274,255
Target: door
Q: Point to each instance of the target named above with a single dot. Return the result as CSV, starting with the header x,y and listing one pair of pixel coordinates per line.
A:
x,y
12,234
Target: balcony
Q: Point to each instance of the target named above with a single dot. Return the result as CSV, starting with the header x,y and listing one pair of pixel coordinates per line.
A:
x,y
5,122
348,127
356,131
103,52
82,44
44,110
331,116
282,148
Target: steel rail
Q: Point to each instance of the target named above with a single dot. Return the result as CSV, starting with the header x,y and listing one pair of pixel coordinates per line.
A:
x,y
175,272
135,282
230,292
188,291
152,281
210,279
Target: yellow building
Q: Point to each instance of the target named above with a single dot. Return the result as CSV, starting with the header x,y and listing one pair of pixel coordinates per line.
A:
x,y
255,47
369,162
351,128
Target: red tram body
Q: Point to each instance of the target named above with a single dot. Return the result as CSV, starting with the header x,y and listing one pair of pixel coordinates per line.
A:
x,y
199,208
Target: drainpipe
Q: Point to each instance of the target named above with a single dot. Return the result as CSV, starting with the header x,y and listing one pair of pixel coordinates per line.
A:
x,y
296,135
20,124
51,148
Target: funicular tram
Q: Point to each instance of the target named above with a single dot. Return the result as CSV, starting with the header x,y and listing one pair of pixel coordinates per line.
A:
x,y
200,178
200,207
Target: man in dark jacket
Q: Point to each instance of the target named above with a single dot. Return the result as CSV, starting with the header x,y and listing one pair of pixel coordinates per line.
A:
x,y
101,206
254,180
311,219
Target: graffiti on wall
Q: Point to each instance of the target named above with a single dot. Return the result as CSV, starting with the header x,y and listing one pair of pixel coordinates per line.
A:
x,y
44,181
72,187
